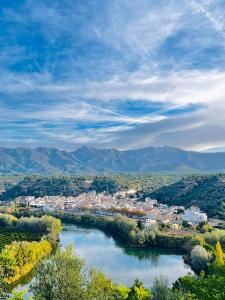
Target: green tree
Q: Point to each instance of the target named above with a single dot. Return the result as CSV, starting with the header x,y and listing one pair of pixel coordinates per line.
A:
x,y
217,266
18,259
202,287
219,256
7,220
99,287
139,292
140,225
122,292
62,277
199,258
160,289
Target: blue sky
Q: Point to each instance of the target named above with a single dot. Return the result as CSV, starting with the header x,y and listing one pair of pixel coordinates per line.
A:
x,y
118,73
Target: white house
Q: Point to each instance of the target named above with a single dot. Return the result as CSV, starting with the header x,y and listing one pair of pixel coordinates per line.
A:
x,y
194,216
149,223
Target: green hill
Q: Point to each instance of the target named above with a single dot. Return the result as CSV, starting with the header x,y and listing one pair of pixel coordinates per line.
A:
x,y
74,185
204,191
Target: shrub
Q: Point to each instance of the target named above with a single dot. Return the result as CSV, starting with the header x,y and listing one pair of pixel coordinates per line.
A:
x,y
18,259
199,258
7,220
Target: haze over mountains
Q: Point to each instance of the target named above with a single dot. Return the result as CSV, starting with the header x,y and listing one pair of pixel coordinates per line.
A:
x,y
87,160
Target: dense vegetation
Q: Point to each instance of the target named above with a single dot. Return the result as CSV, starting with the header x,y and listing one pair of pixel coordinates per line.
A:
x,y
74,185
19,250
63,276
19,258
88,160
204,191
210,284
131,232
7,237
8,181
46,226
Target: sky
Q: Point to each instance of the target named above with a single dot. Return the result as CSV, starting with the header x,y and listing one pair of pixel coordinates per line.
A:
x,y
112,74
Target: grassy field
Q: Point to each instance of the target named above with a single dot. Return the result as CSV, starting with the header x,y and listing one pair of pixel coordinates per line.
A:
x,y
7,238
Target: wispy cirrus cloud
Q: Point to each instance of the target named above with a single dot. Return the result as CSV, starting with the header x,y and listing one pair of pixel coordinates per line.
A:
x,y
112,74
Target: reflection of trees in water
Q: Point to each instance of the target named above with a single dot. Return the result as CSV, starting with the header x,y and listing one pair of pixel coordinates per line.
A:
x,y
25,281
85,230
142,254
76,229
151,254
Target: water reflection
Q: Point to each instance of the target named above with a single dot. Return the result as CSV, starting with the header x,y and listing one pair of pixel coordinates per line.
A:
x,y
123,264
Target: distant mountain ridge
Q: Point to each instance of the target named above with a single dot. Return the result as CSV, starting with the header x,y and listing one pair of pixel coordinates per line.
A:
x,y
87,160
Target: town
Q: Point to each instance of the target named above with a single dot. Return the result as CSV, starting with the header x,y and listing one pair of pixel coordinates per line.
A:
x,y
121,203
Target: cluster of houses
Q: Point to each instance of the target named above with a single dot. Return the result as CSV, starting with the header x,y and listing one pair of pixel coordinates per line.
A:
x,y
175,216
149,211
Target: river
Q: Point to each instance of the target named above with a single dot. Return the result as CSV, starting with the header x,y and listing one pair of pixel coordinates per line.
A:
x,y
122,264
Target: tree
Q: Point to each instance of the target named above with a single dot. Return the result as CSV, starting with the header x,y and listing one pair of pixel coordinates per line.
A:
x,y
217,266
140,225
122,292
99,287
59,277
62,277
18,259
204,226
139,292
219,256
160,289
185,224
7,220
199,258
202,288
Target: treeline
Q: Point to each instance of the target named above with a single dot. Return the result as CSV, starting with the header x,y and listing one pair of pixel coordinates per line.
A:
x,y
64,276
45,226
132,232
18,258
8,181
40,186
204,191
209,285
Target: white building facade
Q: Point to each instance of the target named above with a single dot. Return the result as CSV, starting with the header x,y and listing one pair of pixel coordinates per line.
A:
x,y
194,216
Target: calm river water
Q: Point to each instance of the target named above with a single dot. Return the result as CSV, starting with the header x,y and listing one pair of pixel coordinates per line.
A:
x,y
122,264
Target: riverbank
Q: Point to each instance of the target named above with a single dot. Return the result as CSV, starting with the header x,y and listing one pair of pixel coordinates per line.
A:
x,y
101,252
129,232
24,242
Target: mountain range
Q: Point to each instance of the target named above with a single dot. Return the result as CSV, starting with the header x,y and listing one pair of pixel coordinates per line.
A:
x,y
87,160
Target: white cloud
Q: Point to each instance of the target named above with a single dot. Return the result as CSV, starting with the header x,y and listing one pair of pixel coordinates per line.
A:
x,y
123,57
210,11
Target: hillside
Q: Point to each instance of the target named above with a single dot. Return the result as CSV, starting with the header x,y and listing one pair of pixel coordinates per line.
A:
x,y
73,185
8,181
87,160
206,192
